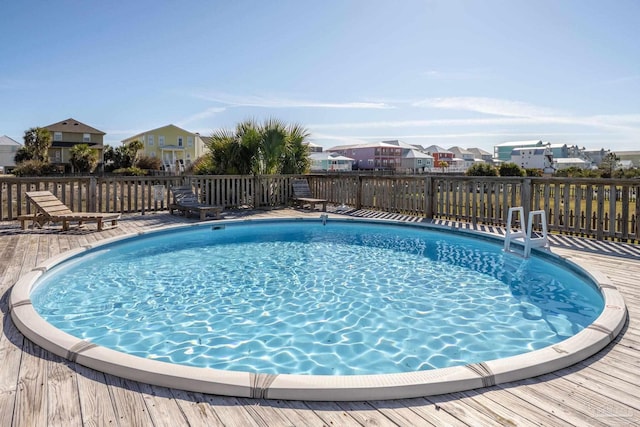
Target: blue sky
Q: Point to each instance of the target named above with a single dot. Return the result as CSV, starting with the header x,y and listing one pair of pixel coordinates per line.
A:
x,y
465,73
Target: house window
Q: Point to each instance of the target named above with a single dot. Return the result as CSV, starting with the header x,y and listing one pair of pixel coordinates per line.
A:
x,y
57,136
86,137
153,154
150,140
189,141
179,141
161,140
419,161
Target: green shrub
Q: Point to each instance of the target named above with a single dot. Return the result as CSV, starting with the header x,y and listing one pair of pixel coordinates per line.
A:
x,y
148,163
202,166
533,172
132,171
35,168
511,169
482,169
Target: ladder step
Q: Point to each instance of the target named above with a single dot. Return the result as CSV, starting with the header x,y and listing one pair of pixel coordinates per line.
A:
x,y
529,239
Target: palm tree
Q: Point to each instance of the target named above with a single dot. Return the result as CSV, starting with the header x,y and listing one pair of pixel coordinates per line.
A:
x,y
84,159
270,148
37,142
296,159
233,152
132,148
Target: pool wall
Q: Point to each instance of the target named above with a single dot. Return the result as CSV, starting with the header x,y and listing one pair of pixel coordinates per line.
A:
x,y
316,387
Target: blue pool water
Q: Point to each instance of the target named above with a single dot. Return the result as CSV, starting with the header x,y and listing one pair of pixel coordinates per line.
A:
x,y
301,297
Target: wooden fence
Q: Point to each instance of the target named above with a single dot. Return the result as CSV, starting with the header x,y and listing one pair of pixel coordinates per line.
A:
x,y
598,208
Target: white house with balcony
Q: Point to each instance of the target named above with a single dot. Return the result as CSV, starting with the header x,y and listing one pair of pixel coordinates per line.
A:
x,y
330,162
535,157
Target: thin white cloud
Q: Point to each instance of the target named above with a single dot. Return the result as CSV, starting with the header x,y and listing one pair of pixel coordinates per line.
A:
x,y
493,106
212,111
277,102
423,123
609,122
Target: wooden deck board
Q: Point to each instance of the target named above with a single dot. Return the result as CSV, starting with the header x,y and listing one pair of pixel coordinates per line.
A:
x,y
128,401
163,408
410,412
95,400
31,396
195,409
38,388
62,387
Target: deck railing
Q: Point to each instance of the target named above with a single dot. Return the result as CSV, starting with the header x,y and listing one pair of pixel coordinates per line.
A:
x,y
598,208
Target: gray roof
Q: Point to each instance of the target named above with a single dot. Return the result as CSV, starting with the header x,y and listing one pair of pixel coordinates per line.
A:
x,y
73,126
519,143
459,150
479,152
403,144
362,145
5,140
436,149
328,156
416,154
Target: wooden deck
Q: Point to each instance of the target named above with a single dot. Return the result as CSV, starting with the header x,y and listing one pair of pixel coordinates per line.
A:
x,y
41,389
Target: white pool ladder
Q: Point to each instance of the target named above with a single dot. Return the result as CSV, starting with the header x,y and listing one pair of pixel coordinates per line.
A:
x,y
528,239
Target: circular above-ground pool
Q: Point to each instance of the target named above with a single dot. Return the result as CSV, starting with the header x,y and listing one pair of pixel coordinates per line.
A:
x,y
327,309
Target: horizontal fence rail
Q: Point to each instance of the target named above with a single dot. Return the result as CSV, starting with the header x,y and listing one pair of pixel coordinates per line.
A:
x,y
597,208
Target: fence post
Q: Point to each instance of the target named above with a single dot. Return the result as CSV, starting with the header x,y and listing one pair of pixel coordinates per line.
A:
x,y
93,195
527,195
256,191
359,193
429,195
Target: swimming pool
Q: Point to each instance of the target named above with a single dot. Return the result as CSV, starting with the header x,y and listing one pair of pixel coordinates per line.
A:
x,y
311,303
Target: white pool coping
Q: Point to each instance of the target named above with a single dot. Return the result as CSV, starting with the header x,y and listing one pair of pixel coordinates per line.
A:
x,y
317,387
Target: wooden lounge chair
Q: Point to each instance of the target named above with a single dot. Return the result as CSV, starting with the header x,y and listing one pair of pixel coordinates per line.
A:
x,y
302,195
48,208
185,201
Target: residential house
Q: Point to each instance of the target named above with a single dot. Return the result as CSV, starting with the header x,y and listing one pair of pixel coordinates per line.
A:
x,y
69,133
562,151
8,149
313,148
415,158
533,158
596,155
480,154
440,155
416,161
371,156
503,151
330,162
625,164
567,162
177,148
467,156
